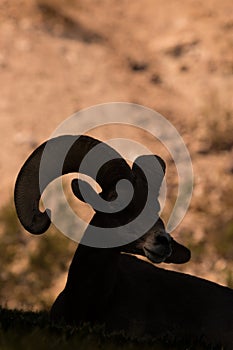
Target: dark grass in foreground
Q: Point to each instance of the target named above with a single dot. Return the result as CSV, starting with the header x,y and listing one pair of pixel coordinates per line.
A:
x,y
33,330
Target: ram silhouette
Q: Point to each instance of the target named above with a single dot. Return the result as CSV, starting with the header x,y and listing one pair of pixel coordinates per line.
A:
x,y
108,285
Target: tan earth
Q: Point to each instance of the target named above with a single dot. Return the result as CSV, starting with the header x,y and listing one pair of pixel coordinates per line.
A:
x,y
58,57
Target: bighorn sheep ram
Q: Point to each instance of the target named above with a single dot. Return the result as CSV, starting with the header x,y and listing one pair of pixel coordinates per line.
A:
x,y
107,286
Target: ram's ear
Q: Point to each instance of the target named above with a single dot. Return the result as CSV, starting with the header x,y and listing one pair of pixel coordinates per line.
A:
x,y
83,189
180,254
150,167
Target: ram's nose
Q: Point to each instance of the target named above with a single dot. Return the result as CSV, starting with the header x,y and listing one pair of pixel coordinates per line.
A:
x,y
160,249
163,243
163,238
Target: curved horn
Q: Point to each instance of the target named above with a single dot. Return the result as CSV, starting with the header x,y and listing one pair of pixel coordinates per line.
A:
x,y
31,181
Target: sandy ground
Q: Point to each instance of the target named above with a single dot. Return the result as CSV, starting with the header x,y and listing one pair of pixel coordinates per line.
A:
x,y
58,57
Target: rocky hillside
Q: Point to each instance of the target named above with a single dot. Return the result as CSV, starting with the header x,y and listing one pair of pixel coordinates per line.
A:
x,y
60,56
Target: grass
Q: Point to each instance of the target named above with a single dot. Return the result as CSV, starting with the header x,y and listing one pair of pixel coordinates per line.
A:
x,y
33,330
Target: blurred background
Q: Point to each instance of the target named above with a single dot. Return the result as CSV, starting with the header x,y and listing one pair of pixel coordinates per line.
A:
x,y
60,56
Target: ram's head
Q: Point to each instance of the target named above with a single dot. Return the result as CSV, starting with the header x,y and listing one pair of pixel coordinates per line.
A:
x,y
125,192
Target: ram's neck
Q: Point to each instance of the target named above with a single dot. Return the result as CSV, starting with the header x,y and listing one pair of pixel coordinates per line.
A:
x,y
93,272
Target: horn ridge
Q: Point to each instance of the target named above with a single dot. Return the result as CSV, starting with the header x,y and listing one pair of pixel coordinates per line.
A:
x,y
31,182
